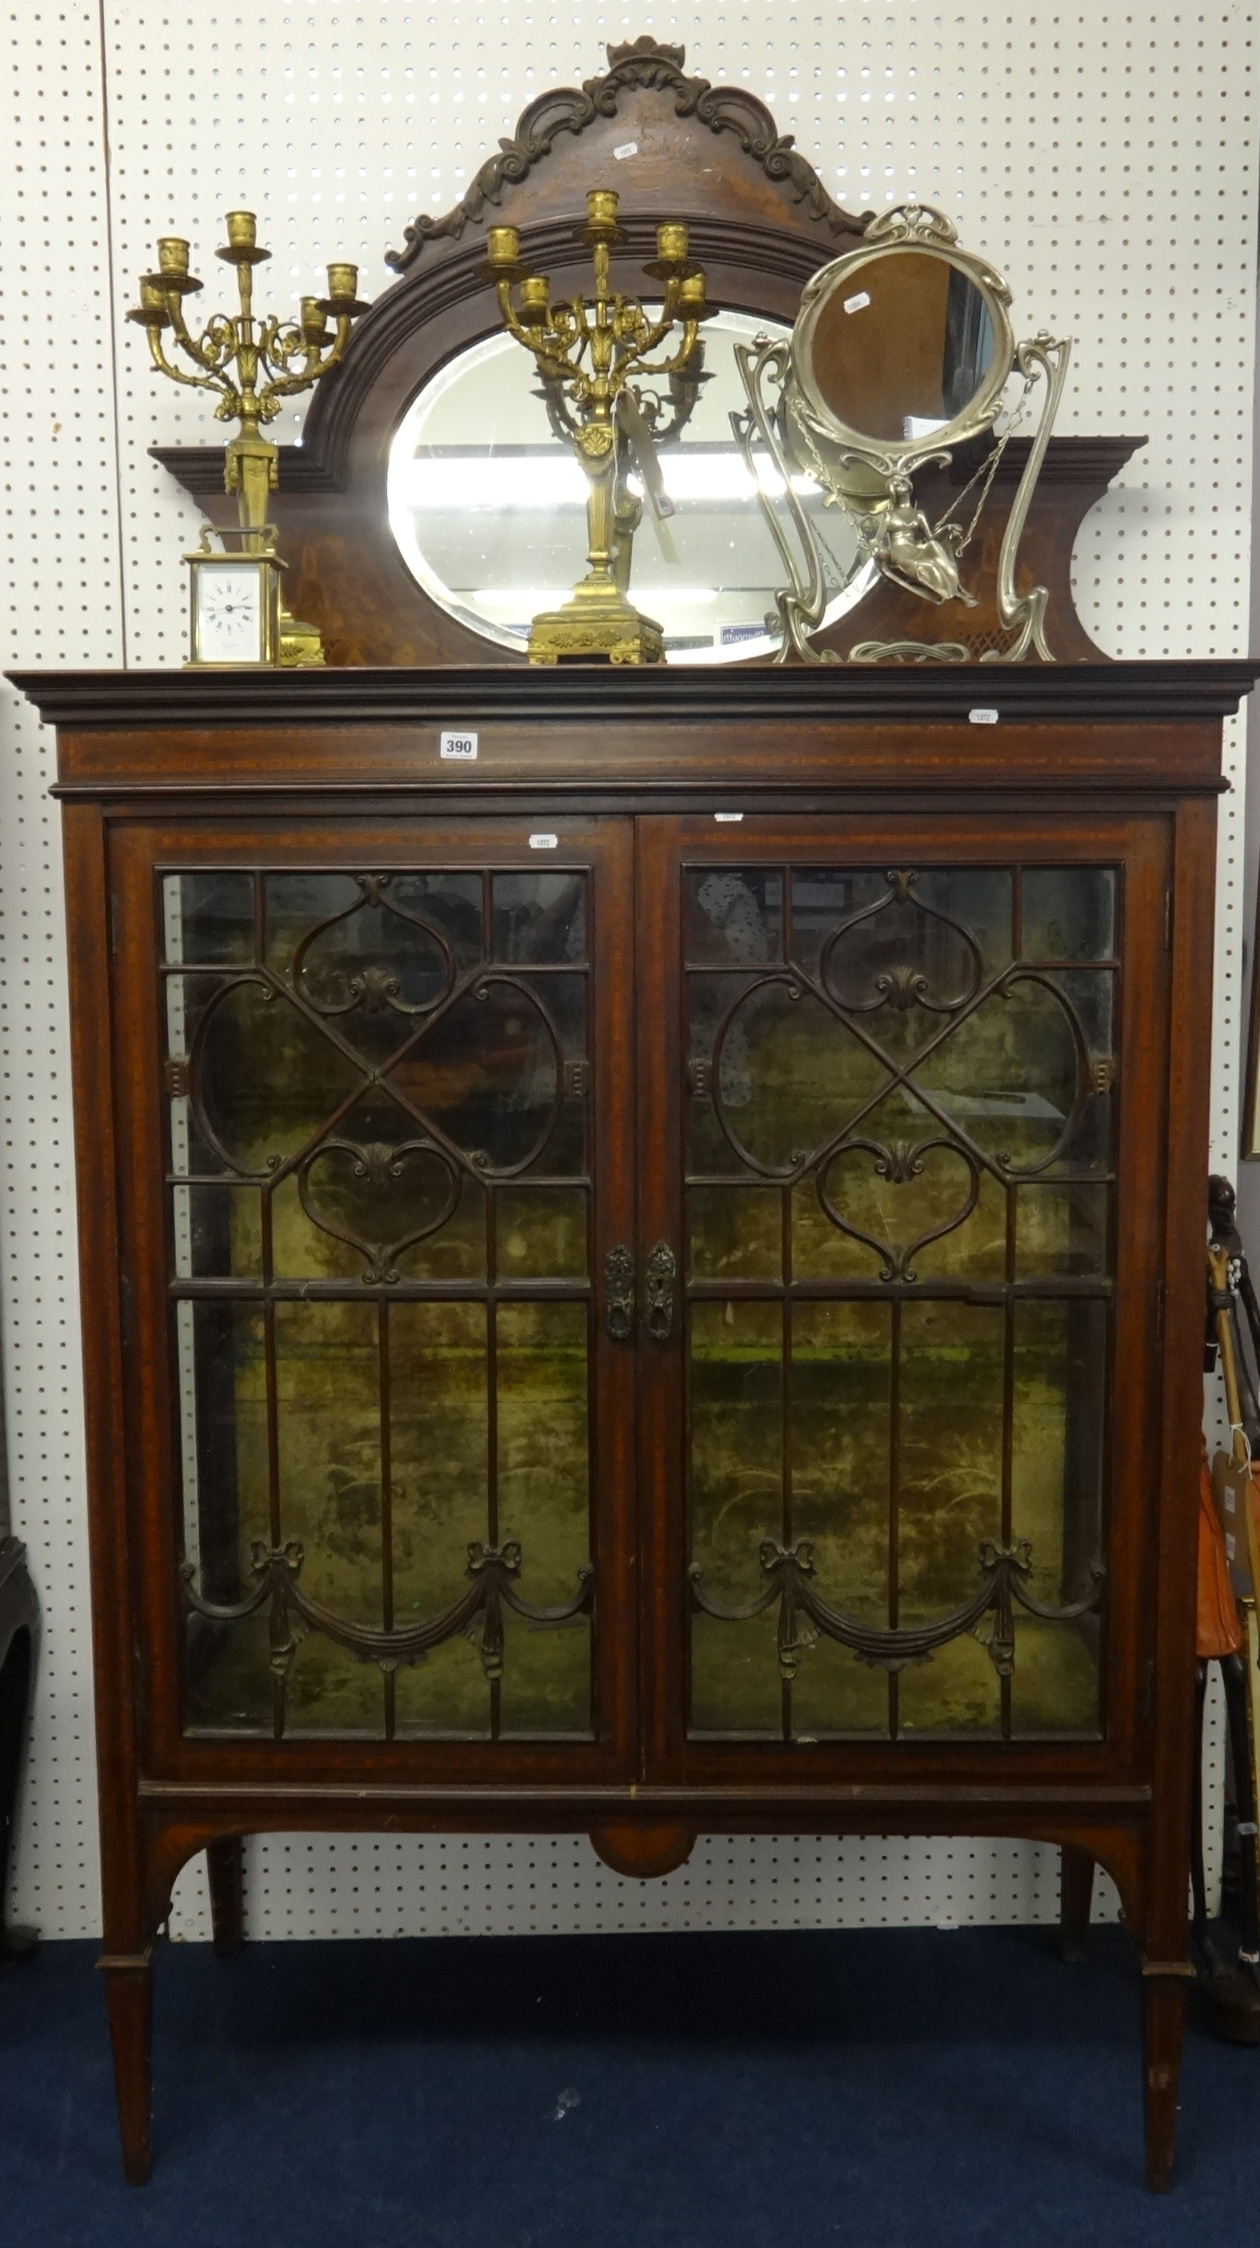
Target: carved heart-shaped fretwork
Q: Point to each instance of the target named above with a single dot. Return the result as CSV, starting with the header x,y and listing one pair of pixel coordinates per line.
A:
x,y
366,1188
800,1062
866,1184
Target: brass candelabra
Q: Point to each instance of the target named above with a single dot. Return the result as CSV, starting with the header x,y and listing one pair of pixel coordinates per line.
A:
x,y
253,364
592,357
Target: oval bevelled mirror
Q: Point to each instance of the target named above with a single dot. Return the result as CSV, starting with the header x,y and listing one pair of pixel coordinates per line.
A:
x,y
487,505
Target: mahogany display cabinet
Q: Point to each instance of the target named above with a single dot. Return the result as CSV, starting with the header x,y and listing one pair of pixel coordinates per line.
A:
x,y
643,1274
652,1283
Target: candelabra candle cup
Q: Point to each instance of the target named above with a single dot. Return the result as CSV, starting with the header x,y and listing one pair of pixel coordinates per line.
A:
x,y
242,230
343,282
601,210
691,298
671,243
503,246
535,300
313,324
173,255
152,312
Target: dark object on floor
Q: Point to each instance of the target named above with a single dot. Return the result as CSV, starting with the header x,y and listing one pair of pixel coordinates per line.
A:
x,y
1228,1996
19,1616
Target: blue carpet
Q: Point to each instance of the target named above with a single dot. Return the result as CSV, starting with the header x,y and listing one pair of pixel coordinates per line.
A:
x,y
866,2089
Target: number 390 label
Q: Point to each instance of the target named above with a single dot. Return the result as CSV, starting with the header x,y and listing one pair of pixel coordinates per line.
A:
x,y
457,745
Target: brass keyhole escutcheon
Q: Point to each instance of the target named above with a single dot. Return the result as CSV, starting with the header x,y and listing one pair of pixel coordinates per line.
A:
x,y
659,1275
619,1294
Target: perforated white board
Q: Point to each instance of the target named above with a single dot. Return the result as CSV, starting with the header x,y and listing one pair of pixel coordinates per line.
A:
x,y
1104,159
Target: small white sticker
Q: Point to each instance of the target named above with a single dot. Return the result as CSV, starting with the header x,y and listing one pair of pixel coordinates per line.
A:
x,y
457,745
1229,1500
722,818
543,842
627,148
857,303
983,717
1231,1546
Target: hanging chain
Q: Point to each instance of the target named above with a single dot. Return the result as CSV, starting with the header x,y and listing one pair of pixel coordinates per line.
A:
x,y
987,471
843,577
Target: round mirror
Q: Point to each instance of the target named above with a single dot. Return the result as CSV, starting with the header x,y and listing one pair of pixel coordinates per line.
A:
x,y
901,345
487,505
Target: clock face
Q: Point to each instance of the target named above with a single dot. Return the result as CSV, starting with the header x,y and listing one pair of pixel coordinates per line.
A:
x,y
229,615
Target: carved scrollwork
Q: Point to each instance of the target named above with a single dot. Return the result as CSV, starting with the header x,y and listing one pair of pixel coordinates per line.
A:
x,y
654,68
477,1614
644,61
1085,1085
901,984
334,1002
893,979
913,222
374,989
803,1613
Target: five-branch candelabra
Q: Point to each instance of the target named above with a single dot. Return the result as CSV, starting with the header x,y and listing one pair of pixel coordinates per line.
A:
x,y
592,357
252,363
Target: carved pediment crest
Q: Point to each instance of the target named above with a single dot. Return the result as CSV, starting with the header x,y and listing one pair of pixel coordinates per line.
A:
x,y
642,64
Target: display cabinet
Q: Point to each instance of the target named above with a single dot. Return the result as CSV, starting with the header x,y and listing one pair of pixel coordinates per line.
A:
x,y
653,1286
642,1228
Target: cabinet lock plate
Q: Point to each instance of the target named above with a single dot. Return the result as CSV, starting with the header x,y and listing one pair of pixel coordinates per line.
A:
x,y
619,1294
659,1275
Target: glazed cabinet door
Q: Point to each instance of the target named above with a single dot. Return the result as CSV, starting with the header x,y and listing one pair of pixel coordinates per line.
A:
x,y
902,1098
377,1138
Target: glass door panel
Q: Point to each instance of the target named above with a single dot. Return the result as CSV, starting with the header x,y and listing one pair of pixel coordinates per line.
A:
x,y
896,1201
385,1199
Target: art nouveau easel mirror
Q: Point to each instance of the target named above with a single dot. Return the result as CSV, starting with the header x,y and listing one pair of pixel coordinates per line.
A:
x,y
901,356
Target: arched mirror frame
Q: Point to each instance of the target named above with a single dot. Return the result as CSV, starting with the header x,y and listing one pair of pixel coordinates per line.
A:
x,y
761,224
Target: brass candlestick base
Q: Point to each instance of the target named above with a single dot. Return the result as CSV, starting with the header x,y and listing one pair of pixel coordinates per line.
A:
x,y
301,645
595,623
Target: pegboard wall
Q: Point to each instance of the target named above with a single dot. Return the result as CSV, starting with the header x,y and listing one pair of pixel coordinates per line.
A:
x,y
1104,158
